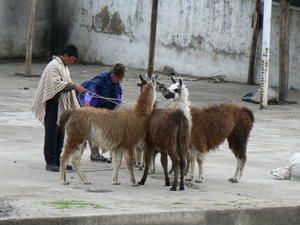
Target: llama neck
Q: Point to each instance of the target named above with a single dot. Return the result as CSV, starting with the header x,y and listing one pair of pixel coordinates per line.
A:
x,y
182,103
145,101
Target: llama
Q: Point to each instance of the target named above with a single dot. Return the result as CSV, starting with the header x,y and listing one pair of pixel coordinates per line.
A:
x,y
139,161
214,124
169,132
210,127
118,130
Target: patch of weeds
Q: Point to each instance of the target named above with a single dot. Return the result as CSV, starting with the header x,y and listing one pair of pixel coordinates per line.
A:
x,y
67,204
177,203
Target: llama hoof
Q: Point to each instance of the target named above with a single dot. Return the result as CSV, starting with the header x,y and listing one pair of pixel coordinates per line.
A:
x,y
135,185
167,184
116,183
188,179
141,183
87,183
173,189
199,181
181,188
233,180
66,183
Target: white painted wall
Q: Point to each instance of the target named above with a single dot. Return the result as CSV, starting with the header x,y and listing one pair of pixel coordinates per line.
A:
x,y
197,37
13,28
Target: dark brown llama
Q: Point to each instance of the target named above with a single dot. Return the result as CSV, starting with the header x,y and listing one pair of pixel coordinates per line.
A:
x,y
169,133
119,130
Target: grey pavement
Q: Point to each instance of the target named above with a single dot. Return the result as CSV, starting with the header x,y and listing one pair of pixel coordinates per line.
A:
x,y
31,195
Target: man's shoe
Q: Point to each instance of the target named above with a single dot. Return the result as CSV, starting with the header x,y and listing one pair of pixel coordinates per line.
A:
x,y
52,168
98,157
69,167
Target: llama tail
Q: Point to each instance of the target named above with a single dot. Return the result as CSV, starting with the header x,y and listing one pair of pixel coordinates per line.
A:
x,y
250,113
183,137
64,118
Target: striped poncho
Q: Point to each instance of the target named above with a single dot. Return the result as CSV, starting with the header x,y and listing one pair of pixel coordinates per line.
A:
x,y
54,79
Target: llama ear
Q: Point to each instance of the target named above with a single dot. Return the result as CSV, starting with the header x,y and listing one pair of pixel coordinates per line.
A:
x,y
146,77
141,78
180,82
173,80
153,79
156,76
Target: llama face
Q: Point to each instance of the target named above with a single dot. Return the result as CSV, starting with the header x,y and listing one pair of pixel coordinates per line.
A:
x,y
174,91
159,87
143,81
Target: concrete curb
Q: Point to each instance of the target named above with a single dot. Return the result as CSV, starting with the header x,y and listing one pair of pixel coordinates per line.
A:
x,y
264,216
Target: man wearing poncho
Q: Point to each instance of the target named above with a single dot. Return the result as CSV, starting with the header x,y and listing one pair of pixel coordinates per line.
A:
x,y
55,93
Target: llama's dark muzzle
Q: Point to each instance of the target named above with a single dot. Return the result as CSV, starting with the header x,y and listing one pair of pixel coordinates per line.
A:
x,y
169,95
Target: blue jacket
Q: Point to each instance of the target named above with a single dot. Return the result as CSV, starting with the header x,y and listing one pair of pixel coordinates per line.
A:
x,y
103,86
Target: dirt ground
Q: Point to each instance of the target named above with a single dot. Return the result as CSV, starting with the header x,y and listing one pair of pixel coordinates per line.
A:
x,y
27,189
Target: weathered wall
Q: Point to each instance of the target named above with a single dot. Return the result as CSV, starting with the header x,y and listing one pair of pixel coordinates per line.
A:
x,y
195,37
13,14
294,57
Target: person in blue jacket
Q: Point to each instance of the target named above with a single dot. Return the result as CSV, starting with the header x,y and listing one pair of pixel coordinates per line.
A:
x,y
107,85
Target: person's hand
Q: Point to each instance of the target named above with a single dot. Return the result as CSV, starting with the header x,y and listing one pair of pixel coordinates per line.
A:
x,y
79,88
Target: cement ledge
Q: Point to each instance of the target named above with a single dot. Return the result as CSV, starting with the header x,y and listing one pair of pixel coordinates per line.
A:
x,y
263,216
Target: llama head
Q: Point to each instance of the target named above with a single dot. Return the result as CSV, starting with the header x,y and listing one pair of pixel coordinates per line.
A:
x,y
145,80
177,91
147,97
160,87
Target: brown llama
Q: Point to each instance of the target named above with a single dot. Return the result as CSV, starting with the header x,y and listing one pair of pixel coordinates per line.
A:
x,y
119,130
169,132
211,126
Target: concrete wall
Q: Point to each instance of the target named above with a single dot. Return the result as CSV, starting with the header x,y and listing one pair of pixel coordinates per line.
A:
x,y
294,75
13,15
195,37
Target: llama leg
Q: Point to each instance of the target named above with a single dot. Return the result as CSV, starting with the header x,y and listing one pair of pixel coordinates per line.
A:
x,y
182,167
64,159
193,155
239,170
76,163
142,161
237,143
188,164
175,164
152,164
138,157
200,160
164,163
117,160
129,164
148,154
241,167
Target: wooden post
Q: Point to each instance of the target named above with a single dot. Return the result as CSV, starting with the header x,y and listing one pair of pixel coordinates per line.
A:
x,y
265,59
284,51
255,25
29,35
152,37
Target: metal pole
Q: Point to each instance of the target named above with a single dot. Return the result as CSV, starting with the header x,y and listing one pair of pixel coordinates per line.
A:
x,y
284,51
265,62
152,37
29,36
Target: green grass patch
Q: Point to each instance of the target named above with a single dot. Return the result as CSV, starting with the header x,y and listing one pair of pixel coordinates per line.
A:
x,y
68,204
178,203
